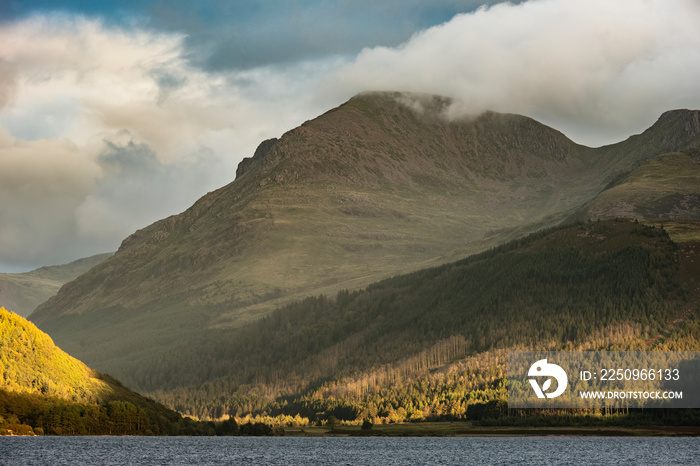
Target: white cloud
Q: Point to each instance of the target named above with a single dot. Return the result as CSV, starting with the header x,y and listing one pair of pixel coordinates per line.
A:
x,y
105,130
596,69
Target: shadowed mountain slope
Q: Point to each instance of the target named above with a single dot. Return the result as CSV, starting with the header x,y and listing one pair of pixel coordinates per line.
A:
x,y
435,342
667,186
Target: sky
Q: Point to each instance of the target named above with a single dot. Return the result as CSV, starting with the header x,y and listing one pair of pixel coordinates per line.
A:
x,y
114,114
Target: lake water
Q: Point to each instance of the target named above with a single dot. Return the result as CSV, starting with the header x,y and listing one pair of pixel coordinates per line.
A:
x,y
536,451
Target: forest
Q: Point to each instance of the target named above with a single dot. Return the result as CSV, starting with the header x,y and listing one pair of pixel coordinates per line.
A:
x,y
433,344
35,414
55,416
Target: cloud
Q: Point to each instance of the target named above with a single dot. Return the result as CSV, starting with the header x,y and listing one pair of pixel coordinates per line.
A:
x,y
41,183
133,185
593,68
105,130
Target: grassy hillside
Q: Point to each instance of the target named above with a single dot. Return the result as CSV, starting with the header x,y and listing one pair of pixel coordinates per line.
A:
x,y
23,292
667,186
435,342
381,185
44,390
31,363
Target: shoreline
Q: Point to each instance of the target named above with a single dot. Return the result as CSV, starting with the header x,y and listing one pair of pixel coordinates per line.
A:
x,y
461,429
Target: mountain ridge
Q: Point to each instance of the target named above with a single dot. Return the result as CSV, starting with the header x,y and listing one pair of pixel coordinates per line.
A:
x,y
377,125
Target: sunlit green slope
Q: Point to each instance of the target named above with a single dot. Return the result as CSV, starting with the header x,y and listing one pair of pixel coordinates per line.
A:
x,y
44,390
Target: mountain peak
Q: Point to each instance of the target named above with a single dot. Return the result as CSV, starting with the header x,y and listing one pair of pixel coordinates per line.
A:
x,y
407,140
421,103
680,112
677,126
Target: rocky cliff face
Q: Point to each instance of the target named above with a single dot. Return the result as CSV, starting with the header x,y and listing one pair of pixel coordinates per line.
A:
x,y
262,150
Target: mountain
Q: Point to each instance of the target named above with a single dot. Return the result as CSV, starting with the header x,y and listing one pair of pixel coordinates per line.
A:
x,y
23,292
383,184
44,390
667,186
369,189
